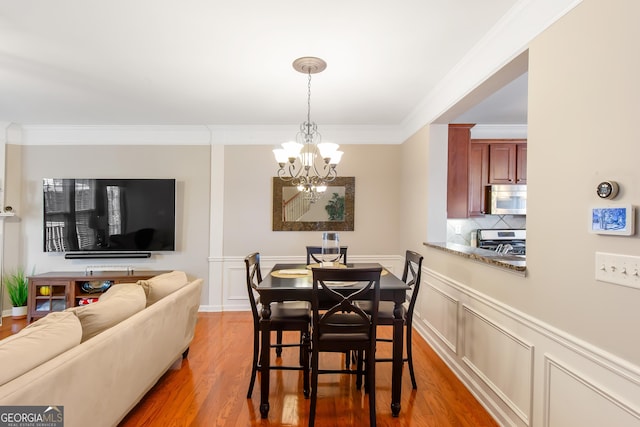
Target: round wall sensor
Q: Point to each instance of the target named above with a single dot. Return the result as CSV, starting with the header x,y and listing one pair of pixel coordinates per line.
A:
x,y
607,189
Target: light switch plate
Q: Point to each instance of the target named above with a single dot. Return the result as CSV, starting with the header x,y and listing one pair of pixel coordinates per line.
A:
x,y
618,269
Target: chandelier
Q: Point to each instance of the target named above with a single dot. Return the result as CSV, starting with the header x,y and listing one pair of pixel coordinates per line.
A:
x,y
307,162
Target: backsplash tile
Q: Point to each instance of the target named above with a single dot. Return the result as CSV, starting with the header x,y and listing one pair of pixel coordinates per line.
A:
x,y
469,225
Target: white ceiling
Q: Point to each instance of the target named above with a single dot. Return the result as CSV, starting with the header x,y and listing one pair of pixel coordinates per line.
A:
x,y
145,62
508,105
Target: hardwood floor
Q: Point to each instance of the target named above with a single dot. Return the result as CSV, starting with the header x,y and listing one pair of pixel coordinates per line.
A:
x,y
210,386
11,326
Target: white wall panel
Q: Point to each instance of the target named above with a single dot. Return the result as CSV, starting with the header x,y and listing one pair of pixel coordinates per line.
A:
x,y
501,359
440,314
235,288
574,400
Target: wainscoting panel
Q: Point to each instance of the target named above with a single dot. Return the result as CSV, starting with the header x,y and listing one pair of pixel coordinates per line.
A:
x,y
502,360
503,356
440,314
575,401
235,287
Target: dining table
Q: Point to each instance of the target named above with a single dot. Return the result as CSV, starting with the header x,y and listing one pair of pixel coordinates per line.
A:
x,y
293,282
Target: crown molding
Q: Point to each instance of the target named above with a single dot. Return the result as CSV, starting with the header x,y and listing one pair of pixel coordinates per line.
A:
x,y
114,135
197,135
274,135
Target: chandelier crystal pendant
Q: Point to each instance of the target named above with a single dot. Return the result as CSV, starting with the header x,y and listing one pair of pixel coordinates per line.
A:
x,y
308,163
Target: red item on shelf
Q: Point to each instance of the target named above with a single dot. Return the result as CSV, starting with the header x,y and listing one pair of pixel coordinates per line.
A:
x,y
85,301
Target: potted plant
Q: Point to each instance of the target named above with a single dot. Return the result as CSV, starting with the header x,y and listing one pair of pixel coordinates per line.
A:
x,y
17,286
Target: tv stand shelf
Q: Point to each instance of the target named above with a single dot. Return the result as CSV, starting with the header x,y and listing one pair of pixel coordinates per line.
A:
x,y
58,290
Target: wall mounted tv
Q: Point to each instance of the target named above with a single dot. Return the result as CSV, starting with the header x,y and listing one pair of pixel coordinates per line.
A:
x,y
105,218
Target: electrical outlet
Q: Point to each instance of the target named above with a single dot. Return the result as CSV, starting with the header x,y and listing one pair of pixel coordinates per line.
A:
x,y
458,228
618,269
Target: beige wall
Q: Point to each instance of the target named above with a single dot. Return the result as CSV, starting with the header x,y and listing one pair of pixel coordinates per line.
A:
x,y
248,199
584,98
189,165
413,190
583,101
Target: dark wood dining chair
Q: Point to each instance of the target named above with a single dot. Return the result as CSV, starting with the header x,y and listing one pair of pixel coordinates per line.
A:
x,y
285,316
411,276
339,325
314,256
314,252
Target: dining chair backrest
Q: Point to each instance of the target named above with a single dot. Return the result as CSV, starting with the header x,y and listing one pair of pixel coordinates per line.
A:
x,y
340,325
254,276
411,276
314,254
331,304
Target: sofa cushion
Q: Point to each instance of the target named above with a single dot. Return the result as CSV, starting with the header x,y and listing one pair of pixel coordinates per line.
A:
x,y
115,305
120,290
39,342
162,285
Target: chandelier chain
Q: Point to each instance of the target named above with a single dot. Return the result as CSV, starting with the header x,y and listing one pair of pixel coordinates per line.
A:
x,y
309,99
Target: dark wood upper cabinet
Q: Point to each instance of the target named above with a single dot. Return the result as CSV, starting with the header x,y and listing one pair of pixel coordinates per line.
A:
x,y
457,170
521,163
502,164
474,164
478,178
507,161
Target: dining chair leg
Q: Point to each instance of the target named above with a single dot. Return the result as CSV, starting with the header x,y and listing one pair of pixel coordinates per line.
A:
x,y
410,357
360,370
314,389
254,364
300,355
304,353
370,384
279,343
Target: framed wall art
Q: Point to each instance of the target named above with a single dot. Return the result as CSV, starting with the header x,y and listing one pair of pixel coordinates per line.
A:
x,y
331,210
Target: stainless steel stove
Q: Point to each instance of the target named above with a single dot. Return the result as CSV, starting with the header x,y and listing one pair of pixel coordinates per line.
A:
x,y
506,241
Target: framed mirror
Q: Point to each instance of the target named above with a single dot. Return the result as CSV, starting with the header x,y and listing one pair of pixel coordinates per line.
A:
x,y
333,210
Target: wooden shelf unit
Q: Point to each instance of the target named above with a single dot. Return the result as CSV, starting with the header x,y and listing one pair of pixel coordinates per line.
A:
x,y
59,290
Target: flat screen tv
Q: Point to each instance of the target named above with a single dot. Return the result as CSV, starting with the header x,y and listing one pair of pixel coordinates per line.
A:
x,y
109,215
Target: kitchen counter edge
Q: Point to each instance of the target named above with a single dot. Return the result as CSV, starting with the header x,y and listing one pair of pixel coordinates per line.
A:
x,y
481,255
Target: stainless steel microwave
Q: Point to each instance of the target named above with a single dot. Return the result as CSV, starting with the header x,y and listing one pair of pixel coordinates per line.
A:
x,y
508,200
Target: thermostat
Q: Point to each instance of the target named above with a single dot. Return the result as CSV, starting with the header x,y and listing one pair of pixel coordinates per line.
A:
x,y
607,189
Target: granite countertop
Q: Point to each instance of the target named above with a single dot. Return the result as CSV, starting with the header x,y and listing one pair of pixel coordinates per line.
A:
x,y
511,262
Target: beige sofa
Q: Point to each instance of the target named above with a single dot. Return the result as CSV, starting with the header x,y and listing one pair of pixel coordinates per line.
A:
x,y
98,361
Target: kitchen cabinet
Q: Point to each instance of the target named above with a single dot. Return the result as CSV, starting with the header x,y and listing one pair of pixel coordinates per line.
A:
x,y
475,164
457,171
478,178
521,163
507,162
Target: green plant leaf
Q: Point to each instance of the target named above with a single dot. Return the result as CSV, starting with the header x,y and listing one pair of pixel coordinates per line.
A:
x,y
17,286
